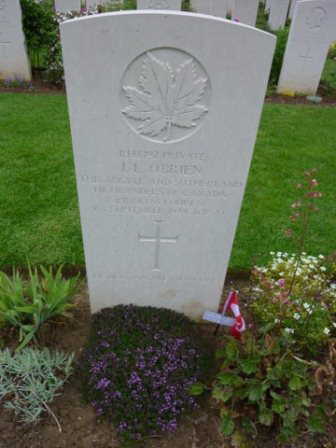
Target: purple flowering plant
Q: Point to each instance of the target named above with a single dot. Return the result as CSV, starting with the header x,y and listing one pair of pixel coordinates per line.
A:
x,y
138,367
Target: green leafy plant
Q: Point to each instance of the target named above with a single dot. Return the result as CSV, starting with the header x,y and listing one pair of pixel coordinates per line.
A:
x,y
39,28
262,383
332,51
282,37
262,18
54,58
27,304
328,81
282,373
31,379
186,5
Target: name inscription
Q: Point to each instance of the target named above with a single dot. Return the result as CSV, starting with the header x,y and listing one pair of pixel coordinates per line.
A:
x,y
160,184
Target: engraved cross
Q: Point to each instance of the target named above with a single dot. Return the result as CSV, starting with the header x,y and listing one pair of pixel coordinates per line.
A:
x,y
306,57
157,239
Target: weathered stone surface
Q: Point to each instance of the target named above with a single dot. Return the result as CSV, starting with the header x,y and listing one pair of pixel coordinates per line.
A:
x,y
92,3
159,4
278,11
163,133
312,31
292,8
246,11
14,63
67,5
218,8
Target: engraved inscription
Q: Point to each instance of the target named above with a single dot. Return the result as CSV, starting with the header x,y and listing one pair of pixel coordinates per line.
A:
x,y
159,4
162,184
158,240
3,39
166,94
160,193
153,275
317,18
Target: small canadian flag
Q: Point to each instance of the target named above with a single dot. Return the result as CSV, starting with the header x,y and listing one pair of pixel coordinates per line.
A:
x,y
237,323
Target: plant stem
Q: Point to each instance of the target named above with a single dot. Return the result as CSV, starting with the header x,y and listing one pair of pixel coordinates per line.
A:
x,y
301,244
50,412
53,415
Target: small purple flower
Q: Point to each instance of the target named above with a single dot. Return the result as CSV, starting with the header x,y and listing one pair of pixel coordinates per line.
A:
x,y
103,383
122,426
142,387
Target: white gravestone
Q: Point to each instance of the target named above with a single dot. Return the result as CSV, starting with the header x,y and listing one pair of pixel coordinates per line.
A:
x,y
67,5
278,11
92,3
312,32
220,8
14,63
163,133
159,4
292,8
246,11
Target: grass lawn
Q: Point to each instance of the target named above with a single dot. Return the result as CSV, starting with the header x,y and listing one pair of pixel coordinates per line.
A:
x,y
39,217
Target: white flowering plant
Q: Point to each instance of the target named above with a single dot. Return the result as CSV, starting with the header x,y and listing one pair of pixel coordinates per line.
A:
x,y
304,310
55,70
294,294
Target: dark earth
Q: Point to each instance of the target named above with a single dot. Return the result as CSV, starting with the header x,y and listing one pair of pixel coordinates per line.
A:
x,y
82,429
39,86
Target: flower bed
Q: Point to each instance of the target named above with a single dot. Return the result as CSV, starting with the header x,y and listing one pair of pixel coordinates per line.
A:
x,y
138,367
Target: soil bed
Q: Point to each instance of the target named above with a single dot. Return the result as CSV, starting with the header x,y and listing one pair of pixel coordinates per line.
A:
x,y
81,428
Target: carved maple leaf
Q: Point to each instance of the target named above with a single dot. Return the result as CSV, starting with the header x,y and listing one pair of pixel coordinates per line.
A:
x,y
165,97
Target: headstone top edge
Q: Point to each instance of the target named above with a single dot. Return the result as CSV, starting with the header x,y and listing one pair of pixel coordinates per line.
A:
x,y
303,5
306,3
164,12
